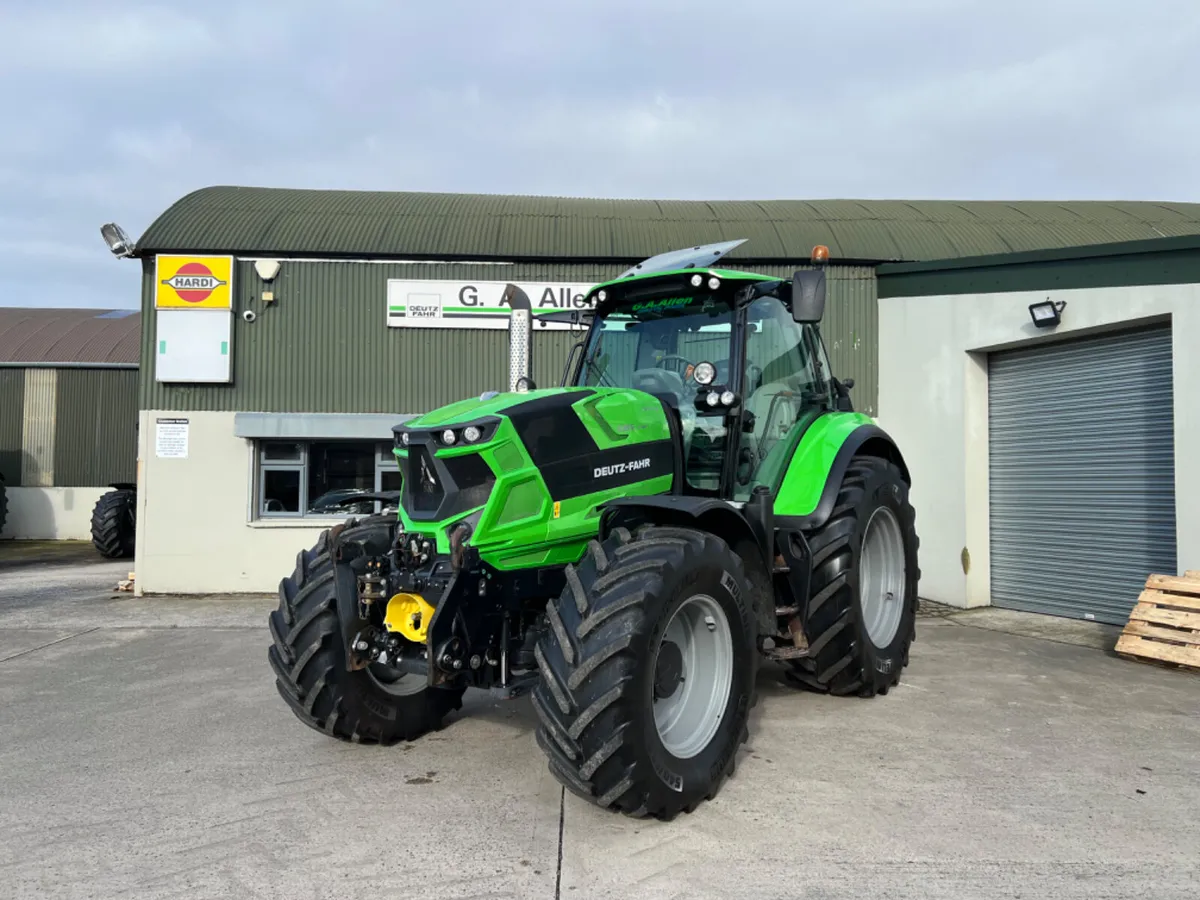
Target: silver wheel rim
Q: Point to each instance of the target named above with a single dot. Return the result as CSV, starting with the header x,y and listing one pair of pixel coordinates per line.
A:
x,y
398,684
881,577
689,716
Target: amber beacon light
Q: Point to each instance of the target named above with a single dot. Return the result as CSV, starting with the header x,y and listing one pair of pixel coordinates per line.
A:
x,y
820,254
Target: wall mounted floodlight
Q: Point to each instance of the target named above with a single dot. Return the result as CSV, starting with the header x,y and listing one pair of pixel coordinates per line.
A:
x,y
1048,313
116,238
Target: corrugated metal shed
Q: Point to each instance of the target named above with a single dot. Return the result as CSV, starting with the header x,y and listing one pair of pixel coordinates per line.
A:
x,y
324,346
251,220
55,336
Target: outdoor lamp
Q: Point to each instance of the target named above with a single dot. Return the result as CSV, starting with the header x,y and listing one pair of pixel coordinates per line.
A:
x,y
1046,314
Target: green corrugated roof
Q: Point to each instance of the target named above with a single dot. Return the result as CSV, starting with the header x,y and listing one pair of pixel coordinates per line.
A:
x,y
277,221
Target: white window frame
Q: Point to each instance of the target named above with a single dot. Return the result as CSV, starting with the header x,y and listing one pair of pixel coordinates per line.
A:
x,y
385,461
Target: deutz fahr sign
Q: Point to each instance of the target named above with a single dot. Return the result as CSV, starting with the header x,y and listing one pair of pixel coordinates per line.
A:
x,y
479,304
193,282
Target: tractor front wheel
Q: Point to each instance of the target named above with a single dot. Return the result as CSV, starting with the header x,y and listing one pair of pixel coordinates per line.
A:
x,y
863,592
374,705
648,671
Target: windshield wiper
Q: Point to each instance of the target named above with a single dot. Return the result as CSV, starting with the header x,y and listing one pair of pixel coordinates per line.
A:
x,y
601,374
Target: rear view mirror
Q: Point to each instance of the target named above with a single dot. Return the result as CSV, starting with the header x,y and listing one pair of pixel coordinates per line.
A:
x,y
808,295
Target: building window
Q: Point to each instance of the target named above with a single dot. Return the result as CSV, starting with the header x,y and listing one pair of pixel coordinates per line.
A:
x,y
314,478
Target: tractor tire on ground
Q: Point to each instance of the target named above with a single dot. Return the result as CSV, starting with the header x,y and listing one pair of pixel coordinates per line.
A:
x,y
863,594
114,524
648,671
369,705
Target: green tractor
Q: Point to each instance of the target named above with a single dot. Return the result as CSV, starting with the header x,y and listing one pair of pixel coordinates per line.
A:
x,y
697,497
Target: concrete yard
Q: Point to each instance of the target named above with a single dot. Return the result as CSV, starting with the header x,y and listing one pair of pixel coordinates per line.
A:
x,y
144,752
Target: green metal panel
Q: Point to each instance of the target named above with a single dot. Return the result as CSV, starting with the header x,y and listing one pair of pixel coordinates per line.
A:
x,y
324,345
96,421
12,414
1165,261
474,226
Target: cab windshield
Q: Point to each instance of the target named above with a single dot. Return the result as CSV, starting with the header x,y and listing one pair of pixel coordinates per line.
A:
x,y
654,345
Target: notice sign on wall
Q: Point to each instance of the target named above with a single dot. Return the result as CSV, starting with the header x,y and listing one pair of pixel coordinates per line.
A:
x,y
171,438
479,304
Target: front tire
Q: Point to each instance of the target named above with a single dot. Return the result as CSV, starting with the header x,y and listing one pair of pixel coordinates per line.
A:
x,y
309,658
648,671
863,591
114,524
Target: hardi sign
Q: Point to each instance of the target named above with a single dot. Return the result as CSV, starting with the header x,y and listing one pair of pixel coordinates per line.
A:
x,y
193,282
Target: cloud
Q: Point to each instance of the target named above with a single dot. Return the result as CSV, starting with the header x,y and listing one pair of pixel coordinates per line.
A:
x,y
114,113
101,40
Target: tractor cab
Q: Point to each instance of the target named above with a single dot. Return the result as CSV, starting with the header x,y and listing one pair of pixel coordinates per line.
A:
x,y
736,356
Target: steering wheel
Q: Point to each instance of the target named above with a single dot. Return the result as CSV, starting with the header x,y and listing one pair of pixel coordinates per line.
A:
x,y
680,370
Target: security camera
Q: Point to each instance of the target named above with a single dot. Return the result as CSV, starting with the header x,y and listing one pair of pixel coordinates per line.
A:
x,y
249,315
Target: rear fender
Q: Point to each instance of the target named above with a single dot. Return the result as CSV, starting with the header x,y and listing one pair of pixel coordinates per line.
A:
x,y
863,440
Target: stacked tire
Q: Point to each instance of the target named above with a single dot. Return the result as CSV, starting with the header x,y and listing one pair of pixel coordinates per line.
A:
x,y
114,523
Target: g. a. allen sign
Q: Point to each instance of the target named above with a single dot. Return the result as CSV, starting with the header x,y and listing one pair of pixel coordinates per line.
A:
x,y
479,304
193,282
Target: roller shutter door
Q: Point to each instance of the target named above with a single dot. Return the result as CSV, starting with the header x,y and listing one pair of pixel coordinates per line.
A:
x,y
1082,473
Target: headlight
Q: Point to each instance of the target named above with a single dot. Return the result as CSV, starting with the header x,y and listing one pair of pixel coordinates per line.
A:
x,y
727,398
448,437
697,280
404,439
714,283
713,398
471,434
704,373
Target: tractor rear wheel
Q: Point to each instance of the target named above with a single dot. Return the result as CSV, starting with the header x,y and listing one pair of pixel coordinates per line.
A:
x,y
647,671
114,523
373,705
863,592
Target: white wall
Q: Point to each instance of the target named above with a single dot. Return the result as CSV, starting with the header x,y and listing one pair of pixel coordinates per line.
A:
x,y
933,401
50,513
194,535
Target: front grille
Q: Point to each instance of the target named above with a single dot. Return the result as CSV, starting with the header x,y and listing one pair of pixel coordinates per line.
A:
x,y
435,489
426,490
473,478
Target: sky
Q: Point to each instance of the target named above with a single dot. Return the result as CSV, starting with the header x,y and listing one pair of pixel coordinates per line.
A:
x,y
111,112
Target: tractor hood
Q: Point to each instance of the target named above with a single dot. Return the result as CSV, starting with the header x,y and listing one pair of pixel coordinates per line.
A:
x,y
463,411
529,469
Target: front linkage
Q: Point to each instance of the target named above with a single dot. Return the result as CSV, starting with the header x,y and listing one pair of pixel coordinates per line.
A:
x,y
446,618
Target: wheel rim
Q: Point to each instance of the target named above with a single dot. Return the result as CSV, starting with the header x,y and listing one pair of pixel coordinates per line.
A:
x,y
881,577
398,684
693,674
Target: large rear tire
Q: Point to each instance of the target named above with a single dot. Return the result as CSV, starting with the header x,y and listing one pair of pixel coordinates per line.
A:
x,y
863,593
371,705
648,671
114,524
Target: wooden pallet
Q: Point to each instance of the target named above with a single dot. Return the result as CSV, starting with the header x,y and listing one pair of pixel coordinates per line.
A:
x,y
1164,627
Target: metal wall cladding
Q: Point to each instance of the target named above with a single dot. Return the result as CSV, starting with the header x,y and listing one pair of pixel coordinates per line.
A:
x,y
1082,473
12,413
324,345
37,428
96,443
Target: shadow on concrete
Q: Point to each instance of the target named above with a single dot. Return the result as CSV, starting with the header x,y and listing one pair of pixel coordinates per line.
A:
x,y
25,554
